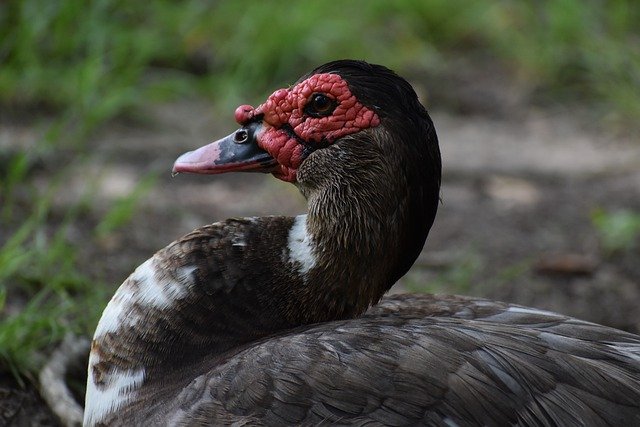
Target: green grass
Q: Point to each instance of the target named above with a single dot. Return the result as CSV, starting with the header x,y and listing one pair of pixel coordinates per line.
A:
x,y
84,63
99,59
43,292
36,269
619,231
459,276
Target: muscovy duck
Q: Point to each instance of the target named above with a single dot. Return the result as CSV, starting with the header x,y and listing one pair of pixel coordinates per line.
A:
x,y
269,321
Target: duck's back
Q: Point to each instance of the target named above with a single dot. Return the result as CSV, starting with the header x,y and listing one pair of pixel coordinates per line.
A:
x,y
477,363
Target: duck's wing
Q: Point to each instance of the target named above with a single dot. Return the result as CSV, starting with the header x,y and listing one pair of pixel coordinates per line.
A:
x,y
399,369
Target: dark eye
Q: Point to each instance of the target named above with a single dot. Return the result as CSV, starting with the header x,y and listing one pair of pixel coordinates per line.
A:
x,y
319,105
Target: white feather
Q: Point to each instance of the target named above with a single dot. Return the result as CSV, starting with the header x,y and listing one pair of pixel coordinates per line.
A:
x,y
527,310
630,350
147,286
104,400
301,246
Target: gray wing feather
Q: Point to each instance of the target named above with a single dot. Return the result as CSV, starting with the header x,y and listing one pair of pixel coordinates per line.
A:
x,y
405,370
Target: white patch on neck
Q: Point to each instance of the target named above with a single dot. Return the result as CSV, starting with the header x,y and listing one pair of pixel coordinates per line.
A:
x,y
300,245
105,400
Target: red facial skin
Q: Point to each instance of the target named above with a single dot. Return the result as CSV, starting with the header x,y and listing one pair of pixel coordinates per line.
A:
x,y
286,106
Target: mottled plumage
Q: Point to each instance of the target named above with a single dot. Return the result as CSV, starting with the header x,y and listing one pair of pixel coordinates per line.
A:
x,y
269,321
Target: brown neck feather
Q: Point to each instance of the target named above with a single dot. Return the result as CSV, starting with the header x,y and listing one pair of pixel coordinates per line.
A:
x,y
371,206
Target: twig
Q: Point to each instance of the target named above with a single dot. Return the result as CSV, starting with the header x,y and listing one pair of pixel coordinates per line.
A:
x,y
53,386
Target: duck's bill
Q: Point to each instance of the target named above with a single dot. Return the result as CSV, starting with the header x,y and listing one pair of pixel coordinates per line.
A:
x,y
238,152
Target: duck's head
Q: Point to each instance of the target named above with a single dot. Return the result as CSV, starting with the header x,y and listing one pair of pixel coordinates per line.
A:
x,y
356,141
336,100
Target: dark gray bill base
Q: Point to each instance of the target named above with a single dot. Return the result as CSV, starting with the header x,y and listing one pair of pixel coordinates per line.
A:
x,y
234,153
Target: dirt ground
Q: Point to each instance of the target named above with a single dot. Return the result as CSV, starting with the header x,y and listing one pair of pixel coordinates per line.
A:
x,y
514,224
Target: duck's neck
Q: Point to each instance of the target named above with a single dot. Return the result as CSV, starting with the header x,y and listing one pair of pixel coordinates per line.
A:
x,y
234,282
368,220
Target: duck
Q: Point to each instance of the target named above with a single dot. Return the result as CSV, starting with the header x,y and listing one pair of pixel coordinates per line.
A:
x,y
281,320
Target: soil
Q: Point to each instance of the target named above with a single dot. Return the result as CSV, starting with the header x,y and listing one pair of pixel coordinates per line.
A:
x,y
515,222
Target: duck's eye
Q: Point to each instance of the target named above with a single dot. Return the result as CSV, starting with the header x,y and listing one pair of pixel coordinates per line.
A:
x,y
319,105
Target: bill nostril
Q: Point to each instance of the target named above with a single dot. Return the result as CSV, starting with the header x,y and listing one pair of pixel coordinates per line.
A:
x,y
241,136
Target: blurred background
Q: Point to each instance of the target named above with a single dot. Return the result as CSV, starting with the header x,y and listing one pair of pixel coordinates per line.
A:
x,y
537,106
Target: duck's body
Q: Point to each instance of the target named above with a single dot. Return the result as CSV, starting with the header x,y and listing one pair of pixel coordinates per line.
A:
x,y
254,321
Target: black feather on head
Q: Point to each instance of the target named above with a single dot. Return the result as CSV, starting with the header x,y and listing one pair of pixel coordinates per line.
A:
x,y
377,87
